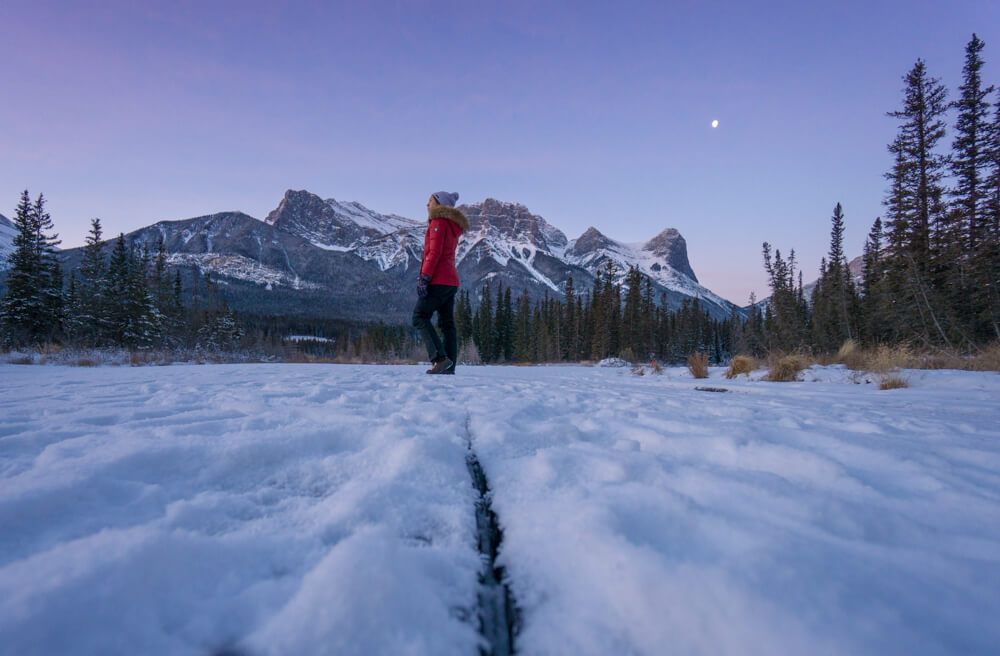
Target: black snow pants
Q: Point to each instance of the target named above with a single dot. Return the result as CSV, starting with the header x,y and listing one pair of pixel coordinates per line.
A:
x,y
440,299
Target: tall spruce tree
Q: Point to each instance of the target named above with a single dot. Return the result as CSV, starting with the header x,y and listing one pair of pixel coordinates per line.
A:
x,y
971,149
922,127
834,297
31,307
92,292
916,209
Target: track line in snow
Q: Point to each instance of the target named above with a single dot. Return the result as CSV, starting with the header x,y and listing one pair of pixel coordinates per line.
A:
x,y
499,617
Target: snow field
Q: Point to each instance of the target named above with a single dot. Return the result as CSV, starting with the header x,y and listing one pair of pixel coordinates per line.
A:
x,y
327,509
184,509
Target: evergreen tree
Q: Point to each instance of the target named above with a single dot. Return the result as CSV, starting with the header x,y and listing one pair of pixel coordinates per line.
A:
x,y
507,344
873,300
786,319
924,106
570,323
916,210
32,303
834,297
971,149
93,306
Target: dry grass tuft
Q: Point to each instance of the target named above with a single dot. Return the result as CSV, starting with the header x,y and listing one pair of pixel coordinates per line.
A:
x,y
82,362
988,359
892,381
741,364
698,365
22,359
786,369
884,359
851,356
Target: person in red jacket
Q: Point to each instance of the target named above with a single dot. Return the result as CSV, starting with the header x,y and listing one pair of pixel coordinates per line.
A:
x,y
438,281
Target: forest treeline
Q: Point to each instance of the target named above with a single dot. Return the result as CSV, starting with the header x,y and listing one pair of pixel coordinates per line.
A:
x,y
931,277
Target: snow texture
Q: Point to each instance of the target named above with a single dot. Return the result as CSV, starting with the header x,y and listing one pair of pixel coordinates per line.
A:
x,y
327,509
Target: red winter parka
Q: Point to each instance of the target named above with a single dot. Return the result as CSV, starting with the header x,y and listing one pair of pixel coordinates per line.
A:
x,y
444,226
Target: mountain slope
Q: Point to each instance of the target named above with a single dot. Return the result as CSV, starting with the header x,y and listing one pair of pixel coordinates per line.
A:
x,y
7,232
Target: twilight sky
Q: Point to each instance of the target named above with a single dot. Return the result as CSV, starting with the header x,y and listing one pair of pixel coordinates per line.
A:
x,y
589,113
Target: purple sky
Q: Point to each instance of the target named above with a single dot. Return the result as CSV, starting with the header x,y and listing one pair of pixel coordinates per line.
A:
x,y
590,115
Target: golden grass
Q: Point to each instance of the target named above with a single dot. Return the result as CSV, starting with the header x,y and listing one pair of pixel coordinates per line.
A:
x,y
884,359
892,381
988,359
741,364
785,369
697,364
851,356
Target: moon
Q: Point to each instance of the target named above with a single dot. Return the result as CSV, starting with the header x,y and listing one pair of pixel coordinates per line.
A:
x,y
715,124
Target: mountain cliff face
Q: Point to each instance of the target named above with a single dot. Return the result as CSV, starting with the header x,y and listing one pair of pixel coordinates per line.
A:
x,y
331,258
7,232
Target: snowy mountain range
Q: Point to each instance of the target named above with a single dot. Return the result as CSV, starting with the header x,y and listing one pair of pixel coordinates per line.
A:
x,y
323,256
7,232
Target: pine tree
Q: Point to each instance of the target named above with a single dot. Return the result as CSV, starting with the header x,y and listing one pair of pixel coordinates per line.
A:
x,y
32,303
922,128
916,210
786,319
834,297
92,308
570,325
507,345
873,300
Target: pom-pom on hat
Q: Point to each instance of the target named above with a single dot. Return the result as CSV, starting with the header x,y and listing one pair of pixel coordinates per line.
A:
x,y
446,198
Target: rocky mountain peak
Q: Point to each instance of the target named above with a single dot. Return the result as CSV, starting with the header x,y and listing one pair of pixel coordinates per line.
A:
x,y
670,246
513,221
332,224
591,240
4,221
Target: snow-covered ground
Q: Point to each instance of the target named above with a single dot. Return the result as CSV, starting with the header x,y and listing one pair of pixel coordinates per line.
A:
x,y
325,509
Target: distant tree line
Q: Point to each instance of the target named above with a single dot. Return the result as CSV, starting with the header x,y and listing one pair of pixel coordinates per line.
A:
x,y
613,319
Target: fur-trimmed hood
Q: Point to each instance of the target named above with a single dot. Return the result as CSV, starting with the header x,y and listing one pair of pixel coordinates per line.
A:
x,y
450,213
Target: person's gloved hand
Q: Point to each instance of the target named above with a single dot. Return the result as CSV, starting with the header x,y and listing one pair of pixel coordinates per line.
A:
x,y
422,283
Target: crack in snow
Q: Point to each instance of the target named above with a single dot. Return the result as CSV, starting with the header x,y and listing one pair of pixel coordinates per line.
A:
x,y
499,617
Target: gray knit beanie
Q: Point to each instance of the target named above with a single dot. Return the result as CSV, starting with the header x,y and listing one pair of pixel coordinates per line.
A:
x,y
445,198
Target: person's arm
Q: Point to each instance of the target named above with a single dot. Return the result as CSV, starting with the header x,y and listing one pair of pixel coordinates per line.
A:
x,y
435,244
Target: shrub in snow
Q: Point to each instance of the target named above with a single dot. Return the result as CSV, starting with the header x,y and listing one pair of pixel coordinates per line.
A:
x,y
786,369
741,364
893,381
612,362
988,359
698,365
851,356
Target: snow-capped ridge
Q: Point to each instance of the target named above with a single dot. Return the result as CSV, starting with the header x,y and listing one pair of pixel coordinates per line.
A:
x,y
7,232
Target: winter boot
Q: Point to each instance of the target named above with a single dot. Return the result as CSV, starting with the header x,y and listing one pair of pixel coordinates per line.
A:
x,y
440,366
